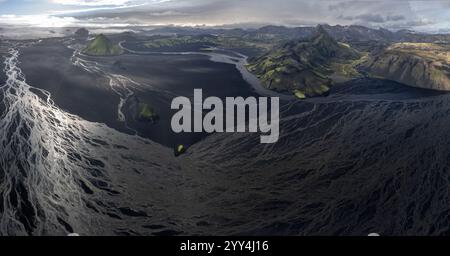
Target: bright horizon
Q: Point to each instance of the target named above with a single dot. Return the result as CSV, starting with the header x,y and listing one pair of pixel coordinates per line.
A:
x,y
422,16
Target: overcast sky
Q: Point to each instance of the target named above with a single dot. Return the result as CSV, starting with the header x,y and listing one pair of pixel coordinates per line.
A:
x,y
431,16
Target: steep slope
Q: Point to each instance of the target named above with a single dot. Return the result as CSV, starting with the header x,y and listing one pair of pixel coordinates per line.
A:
x,y
305,67
102,46
415,64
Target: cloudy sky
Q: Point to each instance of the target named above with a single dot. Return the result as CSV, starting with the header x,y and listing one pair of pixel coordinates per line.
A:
x,y
430,16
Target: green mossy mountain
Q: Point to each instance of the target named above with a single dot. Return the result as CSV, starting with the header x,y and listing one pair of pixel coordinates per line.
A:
x,y
180,150
102,46
305,68
147,114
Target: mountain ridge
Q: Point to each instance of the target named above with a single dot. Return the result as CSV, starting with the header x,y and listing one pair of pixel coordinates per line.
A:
x,y
302,67
347,33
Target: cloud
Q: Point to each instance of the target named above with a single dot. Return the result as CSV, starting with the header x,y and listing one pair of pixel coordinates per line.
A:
x,y
376,18
373,18
395,18
379,13
92,2
37,20
342,5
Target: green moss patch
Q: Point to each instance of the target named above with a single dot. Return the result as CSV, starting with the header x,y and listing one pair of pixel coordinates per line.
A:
x,y
147,113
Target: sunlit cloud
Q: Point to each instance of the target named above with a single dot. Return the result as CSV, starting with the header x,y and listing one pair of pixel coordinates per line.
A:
x,y
417,15
49,21
37,20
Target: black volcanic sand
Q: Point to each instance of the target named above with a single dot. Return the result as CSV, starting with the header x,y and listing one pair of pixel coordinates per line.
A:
x,y
374,157
169,76
163,77
372,90
3,55
47,65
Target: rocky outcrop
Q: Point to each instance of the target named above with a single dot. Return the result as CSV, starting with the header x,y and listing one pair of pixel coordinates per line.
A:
x,y
418,68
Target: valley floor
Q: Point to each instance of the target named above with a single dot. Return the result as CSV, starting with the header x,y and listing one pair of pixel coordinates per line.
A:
x,y
371,157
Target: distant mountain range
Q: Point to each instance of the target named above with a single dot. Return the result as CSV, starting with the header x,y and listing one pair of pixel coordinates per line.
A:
x,y
340,33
